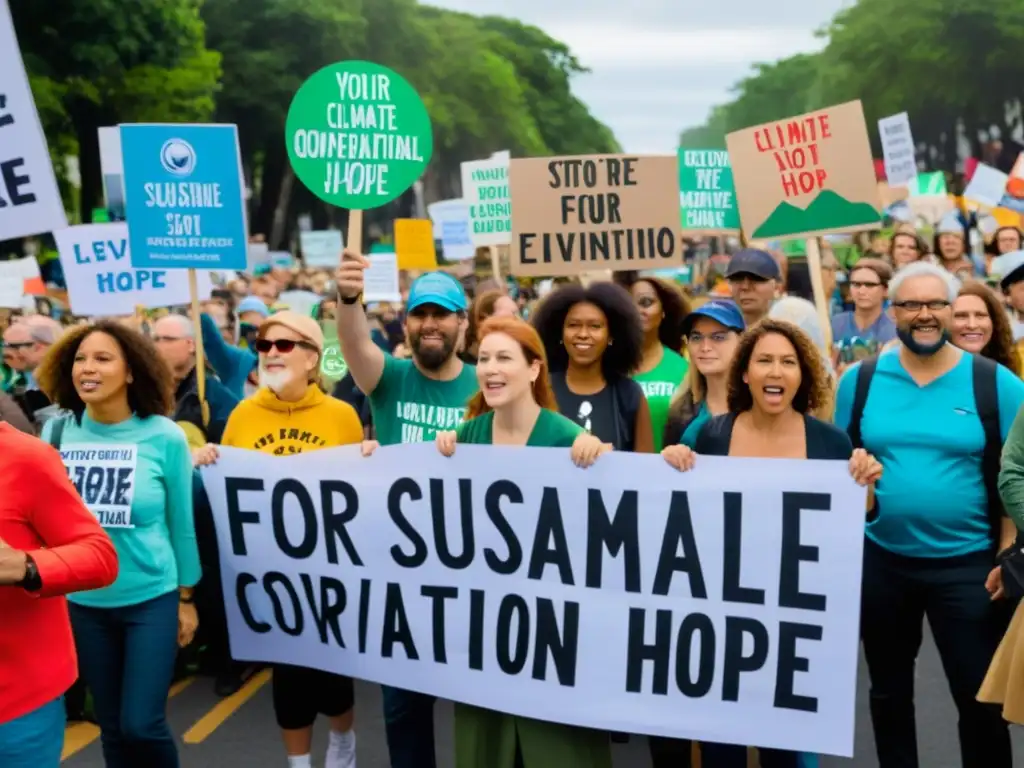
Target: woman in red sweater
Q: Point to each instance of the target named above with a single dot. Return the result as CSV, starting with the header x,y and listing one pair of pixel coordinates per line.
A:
x,y
50,545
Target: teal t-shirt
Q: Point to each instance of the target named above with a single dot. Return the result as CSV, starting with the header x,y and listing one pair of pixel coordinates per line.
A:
x,y
659,385
408,407
136,477
551,430
929,440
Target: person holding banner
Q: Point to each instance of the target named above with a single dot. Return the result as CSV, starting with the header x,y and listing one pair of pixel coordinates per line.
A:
x,y
291,414
411,400
132,467
777,379
515,406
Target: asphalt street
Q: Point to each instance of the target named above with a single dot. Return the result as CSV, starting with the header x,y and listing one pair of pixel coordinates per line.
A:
x,y
242,734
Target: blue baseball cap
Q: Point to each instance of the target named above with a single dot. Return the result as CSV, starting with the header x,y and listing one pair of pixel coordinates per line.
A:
x,y
724,312
437,288
252,304
753,261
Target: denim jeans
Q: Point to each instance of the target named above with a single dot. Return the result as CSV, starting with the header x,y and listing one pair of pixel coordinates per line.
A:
x,y
898,593
409,726
34,740
126,656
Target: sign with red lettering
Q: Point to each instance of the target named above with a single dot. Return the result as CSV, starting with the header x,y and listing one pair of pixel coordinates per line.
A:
x,y
806,176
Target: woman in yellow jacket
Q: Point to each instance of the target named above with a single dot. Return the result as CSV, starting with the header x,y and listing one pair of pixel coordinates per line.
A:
x,y
290,414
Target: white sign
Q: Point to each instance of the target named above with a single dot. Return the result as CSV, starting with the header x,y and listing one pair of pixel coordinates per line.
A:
x,y
101,280
485,191
898,149
12,291
988,186
450,219
112,170
380,280
256,255
720,605
321,248
104,476
19,278
29,199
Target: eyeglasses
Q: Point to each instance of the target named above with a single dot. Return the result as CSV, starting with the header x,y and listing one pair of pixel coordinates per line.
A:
x,y
916,306
162,339
18,345
718,337
263,346
859,284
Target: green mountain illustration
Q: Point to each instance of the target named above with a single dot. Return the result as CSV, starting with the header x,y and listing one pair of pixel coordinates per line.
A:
x,y
827,211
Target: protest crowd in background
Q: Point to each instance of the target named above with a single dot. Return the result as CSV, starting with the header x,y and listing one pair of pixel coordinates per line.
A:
x,y
231,458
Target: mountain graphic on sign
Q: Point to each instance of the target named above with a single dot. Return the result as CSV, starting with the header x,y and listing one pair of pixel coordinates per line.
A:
x,y
827,211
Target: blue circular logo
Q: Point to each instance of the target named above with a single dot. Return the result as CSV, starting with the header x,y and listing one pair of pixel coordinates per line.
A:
x,y
177,157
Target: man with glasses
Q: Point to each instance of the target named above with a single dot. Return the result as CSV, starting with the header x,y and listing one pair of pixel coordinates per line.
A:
x,y
26,343
862,332
936,417
754,278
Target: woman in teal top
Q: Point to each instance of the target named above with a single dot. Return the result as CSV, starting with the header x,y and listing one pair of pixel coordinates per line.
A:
x,y
515,406
132,467
712,332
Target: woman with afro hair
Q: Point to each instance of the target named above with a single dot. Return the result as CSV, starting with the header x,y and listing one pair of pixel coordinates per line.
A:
x,y
594,341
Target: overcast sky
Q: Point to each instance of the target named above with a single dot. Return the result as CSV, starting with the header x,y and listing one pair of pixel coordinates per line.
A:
x,y
658,66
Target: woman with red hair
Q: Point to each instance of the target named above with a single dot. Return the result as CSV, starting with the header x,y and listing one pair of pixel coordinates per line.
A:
x,y
516,407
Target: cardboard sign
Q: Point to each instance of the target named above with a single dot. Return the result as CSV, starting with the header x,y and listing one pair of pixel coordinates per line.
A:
x,y
572,215
29,199
707,195
414,244
807,175
898,149
450,219
358,135
184,196
485,190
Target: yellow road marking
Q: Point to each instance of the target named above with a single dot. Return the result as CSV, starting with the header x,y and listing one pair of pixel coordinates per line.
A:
x,y
78,736
215,718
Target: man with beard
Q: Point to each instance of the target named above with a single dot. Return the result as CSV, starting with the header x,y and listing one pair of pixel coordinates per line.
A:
x,y
411,401
936,417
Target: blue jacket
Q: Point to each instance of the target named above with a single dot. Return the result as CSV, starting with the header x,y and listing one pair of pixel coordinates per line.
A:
x,y
232,364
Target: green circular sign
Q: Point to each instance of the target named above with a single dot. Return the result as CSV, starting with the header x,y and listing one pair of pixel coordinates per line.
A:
x,y
333,365
358,135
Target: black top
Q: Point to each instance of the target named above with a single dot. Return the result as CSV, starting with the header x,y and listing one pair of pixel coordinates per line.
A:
x,y
595,413
347,391
824,440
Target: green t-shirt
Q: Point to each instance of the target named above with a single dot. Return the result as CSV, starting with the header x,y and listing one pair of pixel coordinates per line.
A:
x,y
659,385
408,407
552,430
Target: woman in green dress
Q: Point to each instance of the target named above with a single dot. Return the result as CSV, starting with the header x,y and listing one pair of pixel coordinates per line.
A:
x,y
515,406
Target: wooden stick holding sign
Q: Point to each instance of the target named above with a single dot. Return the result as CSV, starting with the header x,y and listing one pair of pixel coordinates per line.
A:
x,y
821,301
193,292
358,136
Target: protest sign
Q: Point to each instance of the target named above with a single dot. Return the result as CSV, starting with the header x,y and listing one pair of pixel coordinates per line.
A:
x,y
184,196
19,278
29,199
358,135
321,248
988,186
101,280
720,605
898,149
414,244
485,190
928,185
104,476
380,280
599,212
707,196
807,175
112,173
332,363
450,221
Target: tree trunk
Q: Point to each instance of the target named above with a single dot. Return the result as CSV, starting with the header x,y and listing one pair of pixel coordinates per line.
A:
x,y
277,228
85,126
275,161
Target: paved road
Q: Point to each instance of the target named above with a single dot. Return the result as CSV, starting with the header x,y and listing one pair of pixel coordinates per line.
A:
x,y
247,737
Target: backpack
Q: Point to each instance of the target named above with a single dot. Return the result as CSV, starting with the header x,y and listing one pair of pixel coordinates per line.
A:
x,y
986,403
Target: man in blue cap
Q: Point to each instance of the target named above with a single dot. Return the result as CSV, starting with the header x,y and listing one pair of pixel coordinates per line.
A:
x,y
411,401
754,279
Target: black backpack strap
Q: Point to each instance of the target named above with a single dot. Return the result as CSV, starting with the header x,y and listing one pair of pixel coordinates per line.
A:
x,y
57,433
986,401
865,372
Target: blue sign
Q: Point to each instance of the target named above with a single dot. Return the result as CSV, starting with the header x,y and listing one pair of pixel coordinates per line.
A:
x,y
183,195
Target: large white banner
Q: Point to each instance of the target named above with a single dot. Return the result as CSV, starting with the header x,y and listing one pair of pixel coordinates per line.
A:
x,y
29,200
720,604
101,280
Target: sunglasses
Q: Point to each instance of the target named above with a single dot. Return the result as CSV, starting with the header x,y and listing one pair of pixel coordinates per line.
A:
x,y
263,346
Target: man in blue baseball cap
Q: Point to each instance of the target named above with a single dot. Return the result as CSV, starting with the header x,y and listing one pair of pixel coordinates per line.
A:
x,y
411,400
754,278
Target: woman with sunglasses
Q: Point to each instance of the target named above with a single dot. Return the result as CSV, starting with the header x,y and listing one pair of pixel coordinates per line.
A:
x,y
290,414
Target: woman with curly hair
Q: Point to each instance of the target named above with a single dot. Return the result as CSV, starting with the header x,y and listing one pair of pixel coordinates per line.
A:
x,y
982,327
594,341
777,380
132,466
662,309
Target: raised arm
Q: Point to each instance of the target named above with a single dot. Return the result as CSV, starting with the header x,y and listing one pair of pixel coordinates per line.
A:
x,y
364,358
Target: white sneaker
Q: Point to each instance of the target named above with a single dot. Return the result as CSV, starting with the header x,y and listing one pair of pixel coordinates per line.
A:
x,y
341,750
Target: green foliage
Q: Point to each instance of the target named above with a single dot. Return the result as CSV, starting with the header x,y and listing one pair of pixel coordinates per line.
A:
x,y
945,62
